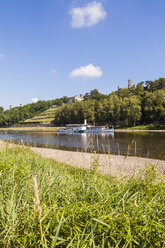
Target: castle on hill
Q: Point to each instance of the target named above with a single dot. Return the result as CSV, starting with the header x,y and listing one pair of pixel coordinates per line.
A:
x,y
130,86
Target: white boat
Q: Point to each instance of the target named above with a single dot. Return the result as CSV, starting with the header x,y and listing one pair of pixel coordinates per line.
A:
x,y
79,129
73,128
98,129
85,128
65,130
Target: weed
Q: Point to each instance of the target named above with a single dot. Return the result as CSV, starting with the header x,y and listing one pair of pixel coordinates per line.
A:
x,y
75,210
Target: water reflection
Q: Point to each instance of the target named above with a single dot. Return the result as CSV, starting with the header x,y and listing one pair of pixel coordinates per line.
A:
x,y
143,144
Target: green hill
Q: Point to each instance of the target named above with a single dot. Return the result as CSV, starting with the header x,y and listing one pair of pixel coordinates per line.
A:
x,y
31,112
45,117
139,104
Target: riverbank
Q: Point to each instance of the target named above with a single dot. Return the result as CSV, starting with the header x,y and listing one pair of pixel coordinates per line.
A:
x,y
145,127
45,203
107,164
26,129
114,165
55,129
139,130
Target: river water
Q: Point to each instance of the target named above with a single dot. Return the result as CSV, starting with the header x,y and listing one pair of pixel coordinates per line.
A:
x,y
141,144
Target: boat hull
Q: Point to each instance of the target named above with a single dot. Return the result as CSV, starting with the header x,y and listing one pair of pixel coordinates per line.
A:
x,y
100,131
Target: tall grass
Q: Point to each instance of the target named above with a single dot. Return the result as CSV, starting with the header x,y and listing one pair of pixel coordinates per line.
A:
x,y
48,204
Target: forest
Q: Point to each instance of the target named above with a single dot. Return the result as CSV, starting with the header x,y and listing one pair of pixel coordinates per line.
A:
x,y
140,104
18,114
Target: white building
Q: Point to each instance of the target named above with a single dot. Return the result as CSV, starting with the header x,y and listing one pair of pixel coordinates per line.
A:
x,y
76,98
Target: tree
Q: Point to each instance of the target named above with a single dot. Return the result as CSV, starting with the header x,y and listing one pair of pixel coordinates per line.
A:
x,y
123,92
154,107
94,92
139,90
130,110
64,99
1,109
155,85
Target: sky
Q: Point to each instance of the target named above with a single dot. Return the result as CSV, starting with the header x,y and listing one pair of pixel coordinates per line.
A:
x,y
55,48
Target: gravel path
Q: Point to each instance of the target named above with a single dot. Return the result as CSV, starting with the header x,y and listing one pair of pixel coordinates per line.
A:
x,y
114,164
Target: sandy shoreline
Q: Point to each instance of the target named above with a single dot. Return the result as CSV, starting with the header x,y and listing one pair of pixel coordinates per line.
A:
x,y
113,164
108,164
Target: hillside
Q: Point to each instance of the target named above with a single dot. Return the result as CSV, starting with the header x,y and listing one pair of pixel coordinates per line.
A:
x,y
139,104
45,117
25,113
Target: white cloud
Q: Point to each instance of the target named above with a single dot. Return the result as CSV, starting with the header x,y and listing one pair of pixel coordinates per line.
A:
x,y
1,55
88,15
87,71
53,71
34,100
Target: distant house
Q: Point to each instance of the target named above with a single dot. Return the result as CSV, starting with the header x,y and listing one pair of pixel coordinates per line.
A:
x,y
76,98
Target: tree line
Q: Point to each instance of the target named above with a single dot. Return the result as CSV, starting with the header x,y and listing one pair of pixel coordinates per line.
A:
x,y
141,104
18,114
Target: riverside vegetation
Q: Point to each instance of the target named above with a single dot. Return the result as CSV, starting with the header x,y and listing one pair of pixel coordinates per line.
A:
x,y
48,204
19,114
140,105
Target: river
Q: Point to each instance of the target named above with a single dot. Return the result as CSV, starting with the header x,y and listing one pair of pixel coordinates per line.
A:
x,y
141,144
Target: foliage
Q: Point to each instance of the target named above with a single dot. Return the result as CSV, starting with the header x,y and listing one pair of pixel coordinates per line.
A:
x,y
1,109
127,107
75,112
155,85
130,110
154,106
76,208
142,104
146,127
18,114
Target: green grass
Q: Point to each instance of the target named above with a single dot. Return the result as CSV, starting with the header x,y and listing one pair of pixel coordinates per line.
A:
x,y
79,207
30,129
146,127
42,118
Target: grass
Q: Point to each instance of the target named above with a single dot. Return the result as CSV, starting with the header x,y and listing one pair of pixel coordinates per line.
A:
x,y
48,204
42,118
30,129
36,121
146,127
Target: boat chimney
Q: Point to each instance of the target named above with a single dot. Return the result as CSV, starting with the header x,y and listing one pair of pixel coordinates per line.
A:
x,y
85,121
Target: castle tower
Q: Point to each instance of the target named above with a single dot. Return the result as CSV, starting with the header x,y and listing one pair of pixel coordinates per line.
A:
x,y
129,83
118,88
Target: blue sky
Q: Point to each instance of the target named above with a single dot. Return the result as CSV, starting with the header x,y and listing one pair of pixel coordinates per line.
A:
x,y
52,48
